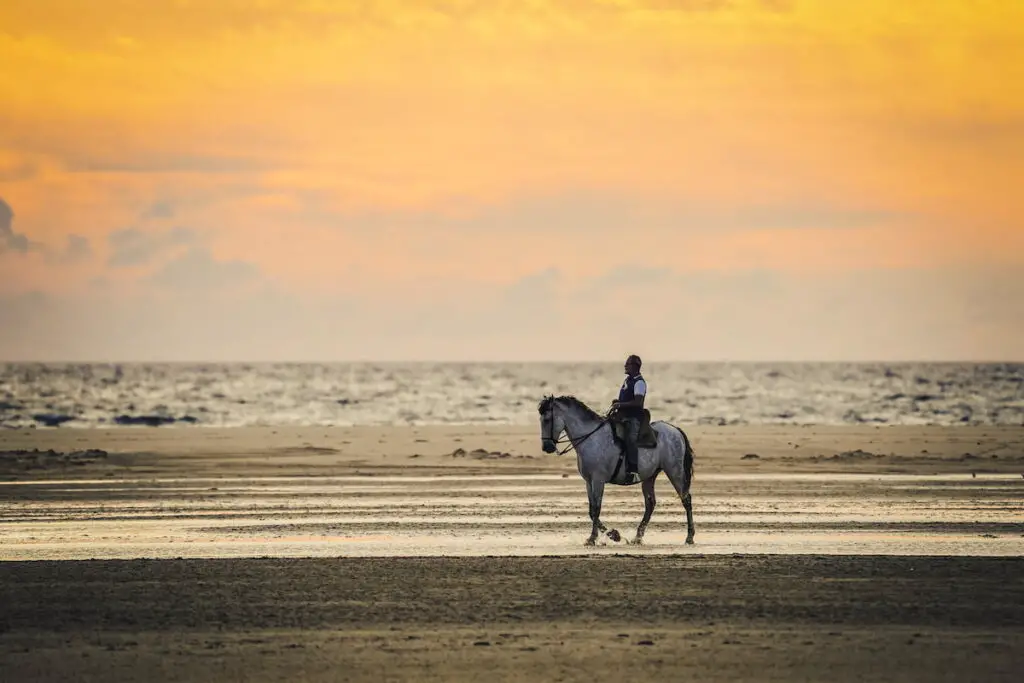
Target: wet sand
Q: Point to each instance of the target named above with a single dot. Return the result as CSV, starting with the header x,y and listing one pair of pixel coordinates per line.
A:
x,y
389,554
505,514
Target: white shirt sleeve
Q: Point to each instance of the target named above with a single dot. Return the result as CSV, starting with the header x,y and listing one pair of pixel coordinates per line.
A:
x,y
640,388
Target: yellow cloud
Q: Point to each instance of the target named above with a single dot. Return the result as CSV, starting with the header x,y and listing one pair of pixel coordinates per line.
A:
x,y
460,106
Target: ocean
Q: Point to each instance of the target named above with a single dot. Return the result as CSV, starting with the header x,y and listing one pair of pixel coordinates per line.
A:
x,y
299,394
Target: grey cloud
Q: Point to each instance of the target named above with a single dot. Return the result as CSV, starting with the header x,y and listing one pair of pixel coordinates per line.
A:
x,y
134,247
36,325
99,282
160,209
9,239
874,314
77,248
197,270
540,286
17,309
158,162
586,214
870,315
533,302
796,215
629,276
19,171
977,132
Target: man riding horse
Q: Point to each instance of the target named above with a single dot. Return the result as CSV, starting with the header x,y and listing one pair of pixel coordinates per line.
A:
x,y
629,409
596,439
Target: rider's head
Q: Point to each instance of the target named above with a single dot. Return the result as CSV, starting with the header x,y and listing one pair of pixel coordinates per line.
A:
x,y
633,364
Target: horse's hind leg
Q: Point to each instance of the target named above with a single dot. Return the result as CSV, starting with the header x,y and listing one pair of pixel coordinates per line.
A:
x,y
682,488
649,502
688,504
595,492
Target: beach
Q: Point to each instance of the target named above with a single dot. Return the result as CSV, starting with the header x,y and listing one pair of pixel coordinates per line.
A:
x,y
482,449
306,305
456,552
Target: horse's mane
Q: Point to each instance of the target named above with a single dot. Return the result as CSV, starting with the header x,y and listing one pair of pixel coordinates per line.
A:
x,y
545,402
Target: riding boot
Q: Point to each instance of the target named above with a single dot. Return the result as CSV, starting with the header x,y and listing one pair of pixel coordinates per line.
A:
x,y
632,451
632,455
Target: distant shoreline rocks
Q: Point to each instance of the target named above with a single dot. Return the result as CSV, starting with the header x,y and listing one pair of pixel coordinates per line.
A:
x,y
52,419
152,420
124,420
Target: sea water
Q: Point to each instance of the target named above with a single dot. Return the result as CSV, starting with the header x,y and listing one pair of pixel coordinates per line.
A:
x,y
300,394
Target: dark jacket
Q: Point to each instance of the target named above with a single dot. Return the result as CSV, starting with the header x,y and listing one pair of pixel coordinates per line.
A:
x,y
626,394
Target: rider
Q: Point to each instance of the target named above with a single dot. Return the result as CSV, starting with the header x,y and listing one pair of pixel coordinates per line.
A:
x,y
629,407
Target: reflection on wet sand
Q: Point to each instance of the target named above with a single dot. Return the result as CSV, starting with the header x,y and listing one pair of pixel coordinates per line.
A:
x,y
505,515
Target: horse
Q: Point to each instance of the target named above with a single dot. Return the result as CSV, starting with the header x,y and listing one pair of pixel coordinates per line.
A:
x,y
598,458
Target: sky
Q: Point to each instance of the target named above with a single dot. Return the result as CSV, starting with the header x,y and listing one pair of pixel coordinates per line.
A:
x,y
572,180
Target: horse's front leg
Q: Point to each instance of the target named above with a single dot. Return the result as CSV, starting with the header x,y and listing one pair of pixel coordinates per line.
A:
x,y
595,492
649,502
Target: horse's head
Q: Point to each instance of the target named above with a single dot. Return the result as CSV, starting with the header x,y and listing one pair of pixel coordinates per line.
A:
x,y
552,424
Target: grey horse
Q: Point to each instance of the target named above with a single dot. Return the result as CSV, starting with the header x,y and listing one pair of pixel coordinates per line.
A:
x,y
597,457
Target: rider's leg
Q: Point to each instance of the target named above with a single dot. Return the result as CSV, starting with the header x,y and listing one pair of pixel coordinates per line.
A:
x,y
632,452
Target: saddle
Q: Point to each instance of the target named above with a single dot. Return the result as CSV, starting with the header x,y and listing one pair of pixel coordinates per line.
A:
x,y
647,438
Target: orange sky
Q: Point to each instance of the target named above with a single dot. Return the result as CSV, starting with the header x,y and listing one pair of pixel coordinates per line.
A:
x,y
478,179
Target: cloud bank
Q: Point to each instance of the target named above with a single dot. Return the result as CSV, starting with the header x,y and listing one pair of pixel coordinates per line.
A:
x,y
198,309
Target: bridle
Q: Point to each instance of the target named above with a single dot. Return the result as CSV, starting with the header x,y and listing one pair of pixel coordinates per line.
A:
x,y
573,443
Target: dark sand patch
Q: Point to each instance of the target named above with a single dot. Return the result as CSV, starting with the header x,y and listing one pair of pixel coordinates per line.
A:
x,y
20,461
515,619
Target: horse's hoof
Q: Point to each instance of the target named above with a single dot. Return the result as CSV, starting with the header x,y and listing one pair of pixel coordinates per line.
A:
x,y
689,540
589,542
615,535
639,540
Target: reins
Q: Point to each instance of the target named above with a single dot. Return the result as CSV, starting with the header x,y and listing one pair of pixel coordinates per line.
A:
x,y
573,443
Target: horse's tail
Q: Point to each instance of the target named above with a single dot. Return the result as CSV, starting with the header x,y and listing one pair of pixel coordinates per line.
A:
x,y
687,462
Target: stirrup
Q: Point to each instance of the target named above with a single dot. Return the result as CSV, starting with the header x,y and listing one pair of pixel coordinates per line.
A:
x,y
632,477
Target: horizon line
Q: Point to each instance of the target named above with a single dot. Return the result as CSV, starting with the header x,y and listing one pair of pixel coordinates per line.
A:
x,y
510,361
